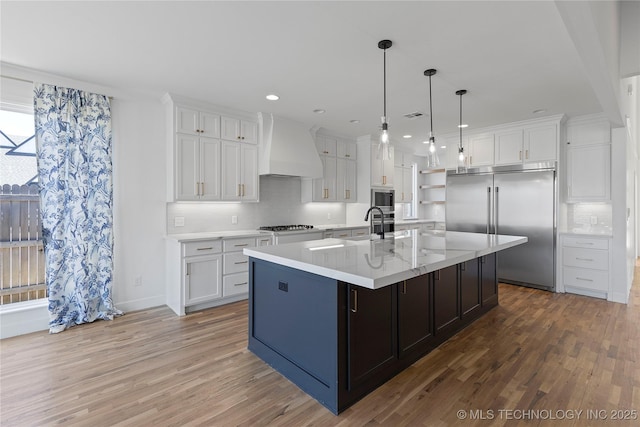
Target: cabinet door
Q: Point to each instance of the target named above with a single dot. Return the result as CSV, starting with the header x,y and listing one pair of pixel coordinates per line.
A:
x,y
397,179
202,281
231,168
346,150
470,287
187,173
209,125
445,297
382,171
209,169
415,324
249,172
407,184
350,172
341,180
481,150
540,144
508,147
388,169
589,173
330,178
187,121
230,128
489,280
371,330
249,132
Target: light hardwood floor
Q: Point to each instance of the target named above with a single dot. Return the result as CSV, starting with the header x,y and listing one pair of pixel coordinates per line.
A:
x,y
537,351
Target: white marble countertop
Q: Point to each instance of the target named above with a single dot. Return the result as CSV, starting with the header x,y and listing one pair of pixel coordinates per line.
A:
x,y
210,235
377,263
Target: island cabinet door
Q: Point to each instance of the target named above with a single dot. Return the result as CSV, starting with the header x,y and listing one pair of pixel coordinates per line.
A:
x,y
415,320
489,285
446,304
470,287
372,336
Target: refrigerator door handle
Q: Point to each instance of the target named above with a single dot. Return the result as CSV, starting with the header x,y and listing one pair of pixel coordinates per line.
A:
x,y
488,210
495,210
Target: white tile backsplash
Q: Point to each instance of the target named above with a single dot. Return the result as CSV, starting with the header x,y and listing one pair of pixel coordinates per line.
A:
x,y
589,217
280,203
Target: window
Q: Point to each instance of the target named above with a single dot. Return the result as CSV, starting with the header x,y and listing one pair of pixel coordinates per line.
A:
x,y
21,251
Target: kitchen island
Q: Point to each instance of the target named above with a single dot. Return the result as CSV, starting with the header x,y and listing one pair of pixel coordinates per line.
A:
x,y
340,317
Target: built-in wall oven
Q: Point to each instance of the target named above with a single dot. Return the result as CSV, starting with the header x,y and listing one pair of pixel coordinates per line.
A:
x,y
385,200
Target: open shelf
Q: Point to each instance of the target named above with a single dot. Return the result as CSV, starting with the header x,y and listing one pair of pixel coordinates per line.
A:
x,y
429,186
425,171
432,202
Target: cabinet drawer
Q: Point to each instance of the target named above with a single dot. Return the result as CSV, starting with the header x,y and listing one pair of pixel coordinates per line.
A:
x,y
585,242
231,245
203,247
264,241
359,232
596,280
342,234
235,262
586,258
235,284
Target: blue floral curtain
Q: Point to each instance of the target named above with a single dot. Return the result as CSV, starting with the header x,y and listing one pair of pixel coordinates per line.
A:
x,y
73,148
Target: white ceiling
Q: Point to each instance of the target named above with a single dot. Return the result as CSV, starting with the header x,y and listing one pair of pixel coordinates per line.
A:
x,y
513,57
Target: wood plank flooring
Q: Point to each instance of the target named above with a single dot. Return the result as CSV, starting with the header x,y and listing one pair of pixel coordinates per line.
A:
x,y
556,354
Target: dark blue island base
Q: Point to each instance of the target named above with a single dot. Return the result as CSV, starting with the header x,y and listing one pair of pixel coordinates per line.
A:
x,y
338,341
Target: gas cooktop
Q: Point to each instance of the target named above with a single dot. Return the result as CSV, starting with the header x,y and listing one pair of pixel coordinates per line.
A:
x,y
295,227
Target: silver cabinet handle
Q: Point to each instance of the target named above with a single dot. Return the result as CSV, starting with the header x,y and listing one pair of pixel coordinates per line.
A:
x,y
241,262
241,244
239,191
584,259
585,243
584,280
488,210
204,249
240,284
495,210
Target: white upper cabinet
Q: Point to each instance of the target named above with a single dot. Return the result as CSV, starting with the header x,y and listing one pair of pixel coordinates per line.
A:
x,y
530,144
194,122
347,150
508,147
234,129
589,131
326,145
481,149
540,143
382,171
589,173
239,171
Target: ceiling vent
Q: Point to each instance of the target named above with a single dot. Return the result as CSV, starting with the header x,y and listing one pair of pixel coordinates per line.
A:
x,y
413,115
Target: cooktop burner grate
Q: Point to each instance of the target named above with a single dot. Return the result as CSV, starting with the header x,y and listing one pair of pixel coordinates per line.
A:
x,y
294,227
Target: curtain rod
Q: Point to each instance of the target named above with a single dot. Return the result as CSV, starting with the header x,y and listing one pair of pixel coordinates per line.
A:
x,y
28,81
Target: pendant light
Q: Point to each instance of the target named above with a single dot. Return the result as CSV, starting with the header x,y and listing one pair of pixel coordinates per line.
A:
x,y
432,159
383,145
461,157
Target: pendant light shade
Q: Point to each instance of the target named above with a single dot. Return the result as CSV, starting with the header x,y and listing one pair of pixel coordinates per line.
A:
x,y
383,145
461,157
432,158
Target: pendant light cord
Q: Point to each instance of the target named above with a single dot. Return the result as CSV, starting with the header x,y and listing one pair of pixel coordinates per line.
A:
x,y
461,119
384,83
430,107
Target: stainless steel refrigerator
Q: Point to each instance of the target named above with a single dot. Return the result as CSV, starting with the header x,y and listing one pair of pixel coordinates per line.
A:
x,y
504,201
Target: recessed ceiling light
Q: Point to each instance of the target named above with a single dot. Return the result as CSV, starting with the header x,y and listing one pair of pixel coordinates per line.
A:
x,y
406,136
319,111
464,125
354,121
272,97
541,110
443,146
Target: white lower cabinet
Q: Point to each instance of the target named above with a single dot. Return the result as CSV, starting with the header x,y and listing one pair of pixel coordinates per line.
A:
x,y
207,273
585,265
345,233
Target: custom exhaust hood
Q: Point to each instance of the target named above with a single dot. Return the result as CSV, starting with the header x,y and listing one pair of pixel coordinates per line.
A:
x,y
287,148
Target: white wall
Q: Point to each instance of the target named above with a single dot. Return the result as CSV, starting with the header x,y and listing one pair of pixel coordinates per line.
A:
x,y
139,202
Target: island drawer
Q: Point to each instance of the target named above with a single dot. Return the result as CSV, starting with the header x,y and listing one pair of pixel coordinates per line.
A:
x,y
585,242
235,262
235,284
586,258
203,247
231,245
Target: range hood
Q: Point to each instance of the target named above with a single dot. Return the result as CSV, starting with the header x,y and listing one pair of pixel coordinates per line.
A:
x,y
287,148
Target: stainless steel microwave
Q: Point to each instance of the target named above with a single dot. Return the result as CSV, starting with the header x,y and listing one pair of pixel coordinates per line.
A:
x,y
383,198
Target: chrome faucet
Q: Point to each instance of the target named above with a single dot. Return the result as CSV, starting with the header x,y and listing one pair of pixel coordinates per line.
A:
x,y
366,218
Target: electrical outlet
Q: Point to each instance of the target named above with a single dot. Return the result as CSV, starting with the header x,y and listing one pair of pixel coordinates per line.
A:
x,y
178,221
234,219
594,220
329,215
138,281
